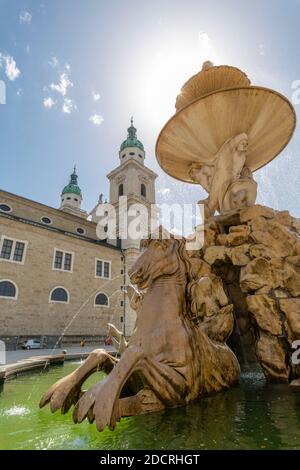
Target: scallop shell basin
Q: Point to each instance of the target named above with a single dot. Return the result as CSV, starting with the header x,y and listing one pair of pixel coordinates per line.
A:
x,y
215,105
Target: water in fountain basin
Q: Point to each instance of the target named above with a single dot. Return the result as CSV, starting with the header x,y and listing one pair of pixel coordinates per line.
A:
x,y
254,415
81,309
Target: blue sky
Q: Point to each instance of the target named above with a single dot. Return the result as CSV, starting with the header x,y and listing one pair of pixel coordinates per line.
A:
x,y
75,71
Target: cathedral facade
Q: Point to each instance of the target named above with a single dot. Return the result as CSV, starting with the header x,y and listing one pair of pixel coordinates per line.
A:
x,y
58,281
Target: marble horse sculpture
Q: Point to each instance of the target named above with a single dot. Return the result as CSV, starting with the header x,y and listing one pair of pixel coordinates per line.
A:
x,y
174,355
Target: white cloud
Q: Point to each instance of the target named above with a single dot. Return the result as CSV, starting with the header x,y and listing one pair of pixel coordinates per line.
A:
x,y
19,92
53,62
96,119
63,85
27,48
96,96
68,106
25,17
48,102
11,70
261,48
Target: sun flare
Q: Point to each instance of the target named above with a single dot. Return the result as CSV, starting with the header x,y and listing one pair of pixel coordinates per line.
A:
x,y
165,72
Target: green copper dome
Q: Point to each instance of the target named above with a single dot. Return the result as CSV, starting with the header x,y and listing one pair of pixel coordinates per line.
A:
x,y
72,187
132,140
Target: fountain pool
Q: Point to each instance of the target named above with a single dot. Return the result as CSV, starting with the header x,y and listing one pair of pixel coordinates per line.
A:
x,y
254,415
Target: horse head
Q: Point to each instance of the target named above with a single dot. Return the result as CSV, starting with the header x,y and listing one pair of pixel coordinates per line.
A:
x,y
161,257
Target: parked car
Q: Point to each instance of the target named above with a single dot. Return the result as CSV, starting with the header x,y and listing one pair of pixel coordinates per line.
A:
x,y
31,344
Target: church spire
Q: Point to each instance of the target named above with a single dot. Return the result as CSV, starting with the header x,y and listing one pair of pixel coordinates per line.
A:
x,y
72,187
71,197
131,130
74,177
132,140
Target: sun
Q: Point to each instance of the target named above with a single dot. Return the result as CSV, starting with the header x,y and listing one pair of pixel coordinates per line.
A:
x,y
163,75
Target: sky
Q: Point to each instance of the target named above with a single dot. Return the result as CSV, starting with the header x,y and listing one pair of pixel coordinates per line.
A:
x,y
75,71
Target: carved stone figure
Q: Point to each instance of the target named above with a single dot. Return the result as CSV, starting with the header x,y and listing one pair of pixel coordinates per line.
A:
x,y
170,359
227,180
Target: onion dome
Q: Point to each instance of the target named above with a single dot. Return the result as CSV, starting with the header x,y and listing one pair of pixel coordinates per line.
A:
x,y
132,140
72,187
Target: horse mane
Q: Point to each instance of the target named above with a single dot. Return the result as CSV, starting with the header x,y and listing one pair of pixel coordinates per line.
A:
x,y
181,250
189,312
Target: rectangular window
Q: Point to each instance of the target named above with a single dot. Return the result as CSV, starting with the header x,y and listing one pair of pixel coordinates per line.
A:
x,y
12,250
99,267
58,259
122,303
121,319
68,262
106,269
19,250
6,248
63,261
102,268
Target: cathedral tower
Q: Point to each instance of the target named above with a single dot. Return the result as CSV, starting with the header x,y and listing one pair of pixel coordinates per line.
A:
x,y
137,182
71,197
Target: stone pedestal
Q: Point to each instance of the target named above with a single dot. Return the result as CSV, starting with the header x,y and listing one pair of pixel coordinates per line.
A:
x,y
256,253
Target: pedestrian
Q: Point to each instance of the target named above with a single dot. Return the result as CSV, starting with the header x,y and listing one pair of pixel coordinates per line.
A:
x,y
82,342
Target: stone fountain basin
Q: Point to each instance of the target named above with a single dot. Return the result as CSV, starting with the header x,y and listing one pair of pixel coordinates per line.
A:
x,y
253,415
197,131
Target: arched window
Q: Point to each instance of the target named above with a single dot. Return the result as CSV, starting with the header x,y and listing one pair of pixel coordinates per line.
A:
x,y
143,190
8,289
59,294
121,190
101,300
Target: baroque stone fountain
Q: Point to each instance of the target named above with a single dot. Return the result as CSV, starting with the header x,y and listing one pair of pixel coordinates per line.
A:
x,y
202,313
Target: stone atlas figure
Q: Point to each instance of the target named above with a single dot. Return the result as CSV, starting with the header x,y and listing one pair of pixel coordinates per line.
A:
x,y
242,287
227,180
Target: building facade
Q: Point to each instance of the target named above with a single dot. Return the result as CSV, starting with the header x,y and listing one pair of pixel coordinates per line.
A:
x,y
58,281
